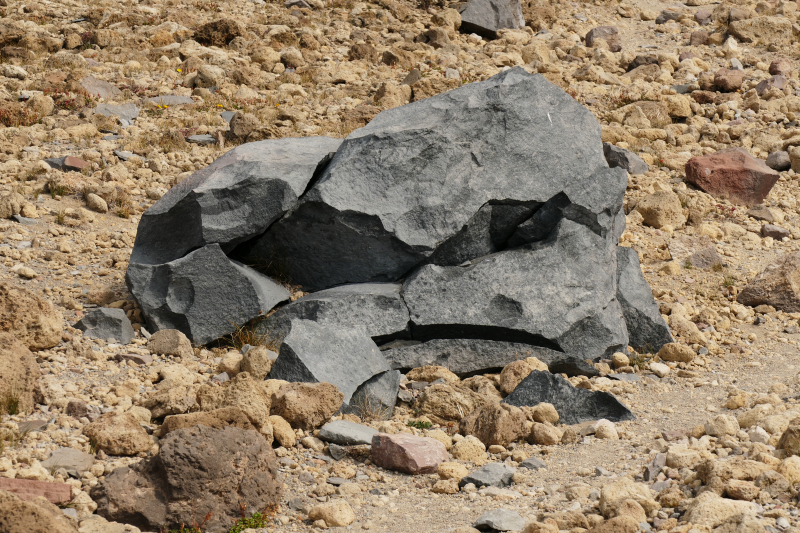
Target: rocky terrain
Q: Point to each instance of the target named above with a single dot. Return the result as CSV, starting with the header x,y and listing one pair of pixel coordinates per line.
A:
x,y
109,425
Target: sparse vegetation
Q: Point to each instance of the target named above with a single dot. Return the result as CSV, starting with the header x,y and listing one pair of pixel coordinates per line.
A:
x,y
420,424
369,408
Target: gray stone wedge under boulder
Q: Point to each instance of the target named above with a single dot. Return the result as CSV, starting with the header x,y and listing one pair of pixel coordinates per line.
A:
x,y
375,307
106,323
205,294
234,199
486,17
574,405
376,397
412,179
646,327
344,357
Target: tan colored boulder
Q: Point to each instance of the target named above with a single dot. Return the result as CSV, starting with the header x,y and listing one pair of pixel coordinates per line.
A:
x,y
258,362
11,204
789,442
790,469
118,434
722,425
764,30
19,374
513,374
709,510
33,516
543,412
452,470
431,373
231,363
336,513
675,352
218,419
544,435
242,392
614,494
306,405
444,403
30,318
737,489
170,342
618,524
282,431
469,449
662,208
495,423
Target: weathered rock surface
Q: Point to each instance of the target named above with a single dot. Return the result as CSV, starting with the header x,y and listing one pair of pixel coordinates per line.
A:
x,y
19,373
574,405
486,17
204,294
343,357
376,397
36,516
734,174
106,323
491,475
407,453
646,327
118,434
620,157
777,285
198,471
30,318
235,198
495,423
215,419
306,405
346,433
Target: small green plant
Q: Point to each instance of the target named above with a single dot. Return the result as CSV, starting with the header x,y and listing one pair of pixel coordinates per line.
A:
x,y
639,360
251,333
688,264
92,446
257,520
717,267
10,401
61,216
57,190
419,424
728,281
10,438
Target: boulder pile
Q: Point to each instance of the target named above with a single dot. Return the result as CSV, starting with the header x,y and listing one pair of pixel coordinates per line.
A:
x,y
467,230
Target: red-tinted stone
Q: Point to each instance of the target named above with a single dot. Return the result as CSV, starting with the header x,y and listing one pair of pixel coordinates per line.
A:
x,y
776,82
75,163
698,38
609,33
703,16
28,489
728,80
780,67
732,174
407,453
703,97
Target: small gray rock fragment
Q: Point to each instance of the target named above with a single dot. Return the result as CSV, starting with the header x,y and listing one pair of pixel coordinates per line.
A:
x,y
532,463
346,433
75,462
620,157
499,520
106,323
486,17
490,475
779,161
124,111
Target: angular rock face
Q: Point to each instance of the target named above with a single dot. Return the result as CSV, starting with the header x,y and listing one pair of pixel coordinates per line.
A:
x,y
313,353
376,397
734,174
400,188
106,323
646,328
19,372
570,310
777,285
235,198
407,453
30,318
204,294
199,471
486,17
574,405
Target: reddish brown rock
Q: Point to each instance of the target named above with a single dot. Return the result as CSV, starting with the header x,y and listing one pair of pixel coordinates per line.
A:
x,y
407,453
698,38
780,67
609,33
728,80
732,174
28,489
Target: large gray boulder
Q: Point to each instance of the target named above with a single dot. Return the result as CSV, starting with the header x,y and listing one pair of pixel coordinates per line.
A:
x,y
459,171
377,308
486,17
558,294
468,356
344,357
574,405
646,328
205,294
234,199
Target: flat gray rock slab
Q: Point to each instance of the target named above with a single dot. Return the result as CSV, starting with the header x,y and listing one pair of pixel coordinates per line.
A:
x,y
532,463
106,323
378,308
75,462
416,175
313,353
235,198
170,99
204,294
376,397
574,405
646,327
499,520
346,433
567,303
490,475
99,88
620,157
125,111
467,356
486,17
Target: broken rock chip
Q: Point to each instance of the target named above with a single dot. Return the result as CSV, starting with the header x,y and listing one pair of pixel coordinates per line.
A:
x,y
313,353
574,405
406,453
205,294
733,174
486,17
346,433
106,323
